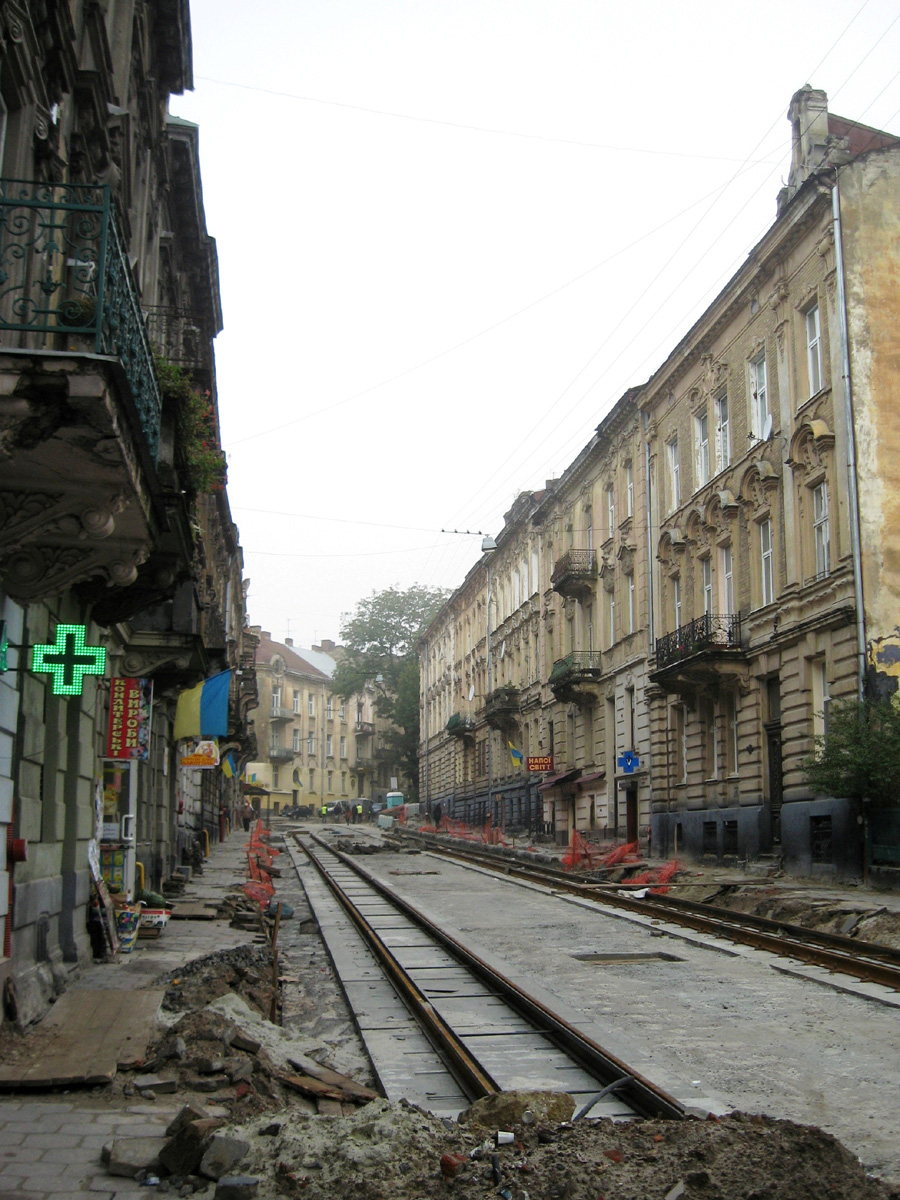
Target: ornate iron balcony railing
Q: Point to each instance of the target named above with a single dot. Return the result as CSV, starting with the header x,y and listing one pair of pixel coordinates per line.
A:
x,y
64,274
709,632
581,564
579,662
459,726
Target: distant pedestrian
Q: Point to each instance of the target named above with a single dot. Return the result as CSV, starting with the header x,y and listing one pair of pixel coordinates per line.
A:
x,y
438,813
247,815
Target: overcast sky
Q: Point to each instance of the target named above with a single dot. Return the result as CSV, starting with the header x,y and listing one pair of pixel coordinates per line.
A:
x,y
452,232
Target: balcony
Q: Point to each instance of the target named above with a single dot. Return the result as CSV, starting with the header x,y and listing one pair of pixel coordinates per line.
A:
x,y
703,653
281,753
460,726
364,729
576,678
279,713
501,708
82,404
575,574
64,278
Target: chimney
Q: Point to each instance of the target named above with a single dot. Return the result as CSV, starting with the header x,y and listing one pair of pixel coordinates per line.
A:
x,y
289,641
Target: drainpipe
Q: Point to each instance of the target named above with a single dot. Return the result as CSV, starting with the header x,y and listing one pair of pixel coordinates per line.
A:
x,y
852,480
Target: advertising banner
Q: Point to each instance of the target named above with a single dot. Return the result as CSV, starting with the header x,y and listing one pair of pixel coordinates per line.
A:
x,y
129,718
539,762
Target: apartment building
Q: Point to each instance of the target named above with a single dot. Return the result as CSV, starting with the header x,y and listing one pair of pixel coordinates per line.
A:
x,y
717,566
314,747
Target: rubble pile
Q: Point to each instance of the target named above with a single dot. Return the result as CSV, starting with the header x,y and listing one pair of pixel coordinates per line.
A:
x,y
390,1151
246,970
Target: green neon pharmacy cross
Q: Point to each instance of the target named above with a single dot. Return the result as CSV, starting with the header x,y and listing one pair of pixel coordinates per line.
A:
x,y
68,660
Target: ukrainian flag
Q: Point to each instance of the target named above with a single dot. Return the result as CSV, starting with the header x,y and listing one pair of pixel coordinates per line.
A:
x,y
202,711
518,758
228,766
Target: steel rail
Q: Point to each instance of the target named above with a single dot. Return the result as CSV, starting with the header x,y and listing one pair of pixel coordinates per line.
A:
x,y
867,961
474,1081
640,1093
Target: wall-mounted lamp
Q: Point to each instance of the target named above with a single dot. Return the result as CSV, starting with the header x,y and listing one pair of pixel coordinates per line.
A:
x,y
487,543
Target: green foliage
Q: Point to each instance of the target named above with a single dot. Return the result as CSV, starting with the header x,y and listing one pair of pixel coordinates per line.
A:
x,y
859,757
197,434
380,653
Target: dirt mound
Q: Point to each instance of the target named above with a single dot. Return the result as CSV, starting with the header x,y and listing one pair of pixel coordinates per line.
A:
x,y
246,970
398,1152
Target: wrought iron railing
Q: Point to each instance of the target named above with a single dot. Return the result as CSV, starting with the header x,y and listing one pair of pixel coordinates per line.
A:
x,y
458,725
709,632
179,336
575,562
579,662
64,274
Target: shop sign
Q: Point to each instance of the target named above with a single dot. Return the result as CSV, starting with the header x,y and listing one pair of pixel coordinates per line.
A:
x,y
539,762
128,735
204,754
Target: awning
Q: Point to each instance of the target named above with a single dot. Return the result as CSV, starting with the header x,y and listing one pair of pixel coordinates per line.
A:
x,y
591,778
556,780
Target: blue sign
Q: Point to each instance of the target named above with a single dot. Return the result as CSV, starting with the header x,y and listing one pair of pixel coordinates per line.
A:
x,y
629,762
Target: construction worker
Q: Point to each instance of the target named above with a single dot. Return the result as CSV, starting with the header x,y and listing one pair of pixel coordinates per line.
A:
x,y
324,812
359,813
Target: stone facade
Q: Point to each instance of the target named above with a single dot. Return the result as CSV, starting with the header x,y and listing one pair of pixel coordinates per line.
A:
x,y
706,583
109,518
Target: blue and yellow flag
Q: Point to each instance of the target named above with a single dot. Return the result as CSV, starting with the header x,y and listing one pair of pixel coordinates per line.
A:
x,y
518,758
228,766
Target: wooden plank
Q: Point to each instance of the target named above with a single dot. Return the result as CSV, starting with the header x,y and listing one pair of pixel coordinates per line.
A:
x,y
85,1036
193,911
330,1108
333,1079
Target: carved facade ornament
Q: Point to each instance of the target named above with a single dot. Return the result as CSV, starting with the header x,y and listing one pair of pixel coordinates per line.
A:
x,y
779,294
715,375
810,447
626,554
759,484
698,532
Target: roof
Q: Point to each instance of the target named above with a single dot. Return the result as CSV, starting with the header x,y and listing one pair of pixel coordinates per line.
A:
x,y
300,664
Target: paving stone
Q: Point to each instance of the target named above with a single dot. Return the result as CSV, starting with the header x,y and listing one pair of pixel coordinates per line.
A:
x,y
222,1155
49,1141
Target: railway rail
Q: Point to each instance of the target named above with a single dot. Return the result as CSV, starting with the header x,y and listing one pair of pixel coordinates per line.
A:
x,y
834,952
490,1034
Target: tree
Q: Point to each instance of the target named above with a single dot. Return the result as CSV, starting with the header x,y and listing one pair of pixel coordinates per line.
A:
x,y
380,653
859,756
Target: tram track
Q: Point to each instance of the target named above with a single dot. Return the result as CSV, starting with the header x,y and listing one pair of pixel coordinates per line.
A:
x,y
837,953
489,1034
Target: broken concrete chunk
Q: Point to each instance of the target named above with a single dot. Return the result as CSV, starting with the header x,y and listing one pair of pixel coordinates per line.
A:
x,y
129,1155
181,1155
222,1155
190,1112
155,1083
240,1041
236,1187
208,1066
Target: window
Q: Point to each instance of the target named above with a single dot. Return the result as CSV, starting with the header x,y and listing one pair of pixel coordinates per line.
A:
x,y
767,578
732,734
296,742
710,740
676,600
342,712
820,530
329,746
311,705
723,433
701,435
813,349
759,396
276,699
274,777
343,746
343,783
589,529
330,781
707,584
329,709
629,585
674,475
680,739
611,618
629,489
311,743
821,696
610,511
726,578
312,779
296,701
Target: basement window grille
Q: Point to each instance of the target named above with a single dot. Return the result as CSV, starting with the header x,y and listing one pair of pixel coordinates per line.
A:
x,y
730,838
710,837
